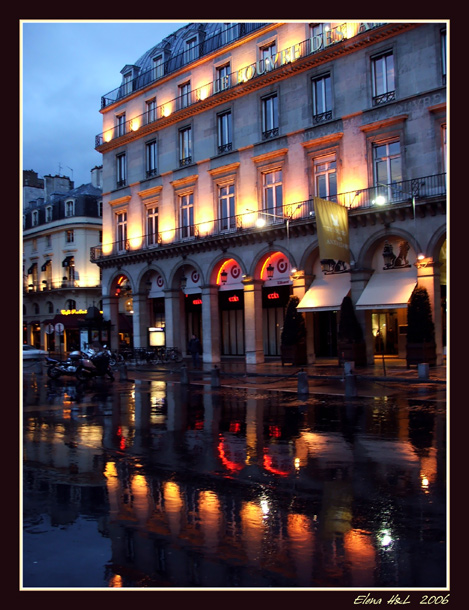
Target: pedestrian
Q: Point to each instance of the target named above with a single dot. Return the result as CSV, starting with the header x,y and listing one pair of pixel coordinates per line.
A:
x,y
194,349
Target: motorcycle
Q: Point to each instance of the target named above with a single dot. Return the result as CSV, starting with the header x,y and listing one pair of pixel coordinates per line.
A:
x,y
94,365
57,368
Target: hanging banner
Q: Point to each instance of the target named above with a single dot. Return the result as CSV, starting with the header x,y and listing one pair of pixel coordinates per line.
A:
x,y
332,227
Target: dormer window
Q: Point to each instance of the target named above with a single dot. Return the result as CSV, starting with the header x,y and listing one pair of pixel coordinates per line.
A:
x,y
35,218
48,213
127,83
69,208
129,74
158,67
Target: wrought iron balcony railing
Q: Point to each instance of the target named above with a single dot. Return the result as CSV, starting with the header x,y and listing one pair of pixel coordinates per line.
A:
x,y
372,198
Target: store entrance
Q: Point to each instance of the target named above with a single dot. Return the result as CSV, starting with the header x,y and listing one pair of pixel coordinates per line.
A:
x,y
385,332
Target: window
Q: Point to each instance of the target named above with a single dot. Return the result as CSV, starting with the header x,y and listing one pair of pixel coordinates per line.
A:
x,y
121,231
69,236
48,241
223,78
50,307
228,32
158,67
184,98
152,226
267,57
34,218
269,117
322,98
151,110
150,161
120,124
325,177
121,170
100,208
185,146
224,132
48,213
318,33
190,50
100,237
71,304
273,193
226,207
186,215
127,85
69,208
443,142
443,55
387,168
383,78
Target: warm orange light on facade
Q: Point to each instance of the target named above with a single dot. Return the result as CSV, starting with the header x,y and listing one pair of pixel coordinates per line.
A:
x,y
166,110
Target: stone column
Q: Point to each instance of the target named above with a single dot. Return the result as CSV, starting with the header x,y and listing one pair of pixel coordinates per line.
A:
x,y
253,320
210,324
301,283
111,312
141,319
428,276
359,279
174,319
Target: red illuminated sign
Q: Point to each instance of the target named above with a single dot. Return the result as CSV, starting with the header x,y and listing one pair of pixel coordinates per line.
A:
x,y
273,295
197,302
233,299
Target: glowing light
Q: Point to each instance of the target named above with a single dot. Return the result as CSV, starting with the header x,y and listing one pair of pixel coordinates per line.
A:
x,y
380,200
202,93
107,136
134,124
165,110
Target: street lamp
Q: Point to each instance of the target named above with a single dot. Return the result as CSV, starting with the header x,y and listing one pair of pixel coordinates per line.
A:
x,y
380,199
260,222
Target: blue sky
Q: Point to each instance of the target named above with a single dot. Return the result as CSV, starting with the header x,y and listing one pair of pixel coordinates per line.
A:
x,y
66,66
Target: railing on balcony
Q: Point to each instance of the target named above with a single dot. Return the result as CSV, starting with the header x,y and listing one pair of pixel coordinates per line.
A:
x,y
45,285
375,197
211,43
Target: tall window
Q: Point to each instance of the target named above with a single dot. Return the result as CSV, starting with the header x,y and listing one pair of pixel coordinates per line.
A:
x,y
383,78
318,34
151,165
35,218
158,67
69,208
48,213
267,57
184,95
273,193
186,215
223,78
121,230
120,124
443,55
228,32
151,110
270,116
152,226
69,236
127,83
185,146
190,51
322,98
226,207
325,177
121,170
387,168
48,241
224,132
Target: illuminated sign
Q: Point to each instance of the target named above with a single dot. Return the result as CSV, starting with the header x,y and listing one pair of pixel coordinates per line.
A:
x,y
273,295
233,299
68,312
197,302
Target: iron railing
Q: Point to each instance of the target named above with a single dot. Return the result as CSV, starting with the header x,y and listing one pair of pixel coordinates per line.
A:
x,y
375,197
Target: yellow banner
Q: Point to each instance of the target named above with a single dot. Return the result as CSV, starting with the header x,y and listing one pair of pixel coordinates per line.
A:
x,y
332,227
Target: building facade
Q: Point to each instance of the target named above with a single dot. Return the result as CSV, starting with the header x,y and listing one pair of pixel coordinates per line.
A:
x,y
218,147
60,283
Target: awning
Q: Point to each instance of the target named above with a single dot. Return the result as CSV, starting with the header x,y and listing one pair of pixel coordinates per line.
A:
x,y
326,293
44,266
389,289
31,269
66,261
69,321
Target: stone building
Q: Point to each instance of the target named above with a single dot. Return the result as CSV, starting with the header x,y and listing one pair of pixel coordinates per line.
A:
x,y
60,225
223,127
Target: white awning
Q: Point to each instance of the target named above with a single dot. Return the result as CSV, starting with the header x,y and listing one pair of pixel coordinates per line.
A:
x,y
326,293
389,289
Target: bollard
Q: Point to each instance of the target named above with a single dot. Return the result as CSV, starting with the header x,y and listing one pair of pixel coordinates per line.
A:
x,y
38,367
423,369
184,375
350,385
215,377
303,383
122,372
348,367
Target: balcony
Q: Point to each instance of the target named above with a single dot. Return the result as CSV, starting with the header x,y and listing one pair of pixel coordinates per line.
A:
x,y
384,203
48,286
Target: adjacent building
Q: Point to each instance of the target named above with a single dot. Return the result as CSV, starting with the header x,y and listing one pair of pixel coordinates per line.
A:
x,y
218,147
60,283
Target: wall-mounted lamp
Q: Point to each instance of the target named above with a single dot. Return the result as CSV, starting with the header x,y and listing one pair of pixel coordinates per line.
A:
x,y
224,276
270,271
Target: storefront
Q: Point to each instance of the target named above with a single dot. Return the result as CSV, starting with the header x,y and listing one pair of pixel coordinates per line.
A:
x,y
231,306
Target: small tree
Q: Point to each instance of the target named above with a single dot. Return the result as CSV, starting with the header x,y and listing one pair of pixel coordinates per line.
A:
x,y
350,330
420,326
294,327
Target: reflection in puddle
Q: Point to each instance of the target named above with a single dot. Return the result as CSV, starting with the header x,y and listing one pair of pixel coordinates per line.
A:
x,y
195,487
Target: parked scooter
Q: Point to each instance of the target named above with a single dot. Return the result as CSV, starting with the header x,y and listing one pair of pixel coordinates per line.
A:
x,y
94,364
57,368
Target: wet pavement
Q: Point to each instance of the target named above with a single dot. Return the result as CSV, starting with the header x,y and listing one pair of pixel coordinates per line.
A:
x,y
236,477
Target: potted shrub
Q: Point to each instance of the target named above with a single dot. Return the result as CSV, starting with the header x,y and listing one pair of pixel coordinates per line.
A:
x,y
350,340
293,337
421,346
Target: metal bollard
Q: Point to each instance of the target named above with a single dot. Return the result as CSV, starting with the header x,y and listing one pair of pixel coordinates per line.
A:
x,y
122,372
184,375
350,385
215,377
303,383
423,369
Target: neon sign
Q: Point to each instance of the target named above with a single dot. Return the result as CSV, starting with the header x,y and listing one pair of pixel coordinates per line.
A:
x,y
233,299
197,302
273,295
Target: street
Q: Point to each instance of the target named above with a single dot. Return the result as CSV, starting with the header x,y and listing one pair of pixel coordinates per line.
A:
x,y
150,483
